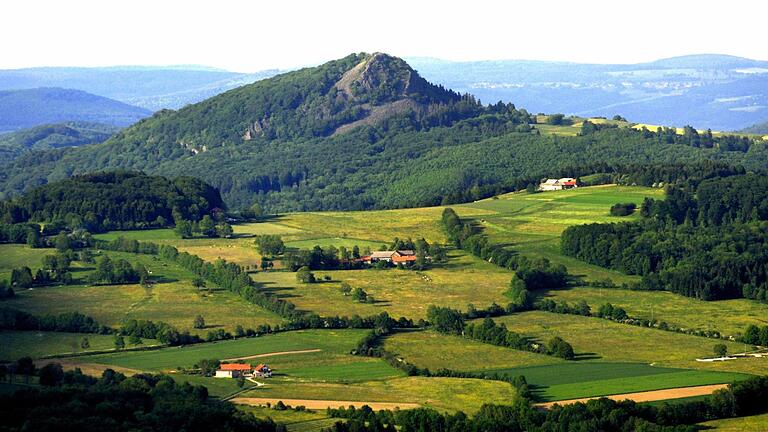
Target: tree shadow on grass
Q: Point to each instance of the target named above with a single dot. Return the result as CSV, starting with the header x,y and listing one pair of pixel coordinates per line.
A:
x,y
278,291
586,356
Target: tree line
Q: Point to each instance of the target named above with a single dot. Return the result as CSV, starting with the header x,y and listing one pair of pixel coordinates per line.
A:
x,y
142,402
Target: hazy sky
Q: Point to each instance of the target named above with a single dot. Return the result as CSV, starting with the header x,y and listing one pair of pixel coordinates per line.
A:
x,y
256,35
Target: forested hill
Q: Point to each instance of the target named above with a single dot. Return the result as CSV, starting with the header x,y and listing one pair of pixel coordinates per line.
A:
x,y
760,128
51,136
114,200
362,132
32,107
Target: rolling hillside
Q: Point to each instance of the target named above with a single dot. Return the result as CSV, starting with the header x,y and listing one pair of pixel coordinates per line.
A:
x,y
362,132
32,107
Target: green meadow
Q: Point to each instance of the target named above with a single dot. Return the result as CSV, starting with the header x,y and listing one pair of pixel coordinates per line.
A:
x,y
16,344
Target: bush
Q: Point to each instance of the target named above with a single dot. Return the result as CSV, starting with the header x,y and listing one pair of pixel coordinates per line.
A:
x,y
623,209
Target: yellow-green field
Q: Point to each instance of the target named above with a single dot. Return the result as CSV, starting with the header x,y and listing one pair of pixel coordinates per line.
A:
x,y
609,341
758,423
462,280
435,351
445,394
15,255
36,344
730,317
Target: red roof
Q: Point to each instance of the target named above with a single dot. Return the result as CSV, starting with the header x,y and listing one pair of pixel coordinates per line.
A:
x,y
407,258
570,183
236,367
260,367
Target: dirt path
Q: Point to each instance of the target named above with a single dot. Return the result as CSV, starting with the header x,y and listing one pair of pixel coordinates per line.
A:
x,y
322,404
274,354
649,396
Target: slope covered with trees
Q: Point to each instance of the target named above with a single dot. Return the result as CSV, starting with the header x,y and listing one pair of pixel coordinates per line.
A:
x,y
114,200
707,241
363,132
52,136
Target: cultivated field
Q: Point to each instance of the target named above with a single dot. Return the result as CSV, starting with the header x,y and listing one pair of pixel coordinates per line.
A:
x,y
445,394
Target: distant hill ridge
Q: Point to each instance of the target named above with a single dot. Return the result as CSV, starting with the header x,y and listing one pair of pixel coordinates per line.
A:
x,y
32,107
362,132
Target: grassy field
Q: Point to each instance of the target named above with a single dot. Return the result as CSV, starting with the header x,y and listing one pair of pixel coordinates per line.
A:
x,y
16,344
532,223
434,351
758,423
445,394
727,316
13,256
462,280
552,378
329,341
173,299
294,420
599,339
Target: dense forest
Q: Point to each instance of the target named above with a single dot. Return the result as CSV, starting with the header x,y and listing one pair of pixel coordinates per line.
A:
x,y
110,200
706,241
365,132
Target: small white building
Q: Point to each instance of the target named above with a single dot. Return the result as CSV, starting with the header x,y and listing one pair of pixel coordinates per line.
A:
x,y
234,370
558,184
